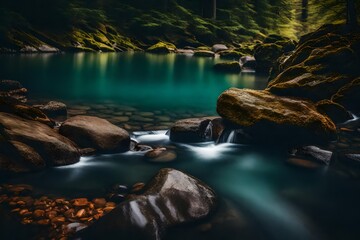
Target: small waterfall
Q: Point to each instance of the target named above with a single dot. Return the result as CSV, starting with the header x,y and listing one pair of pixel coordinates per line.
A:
x,y
228,136
208,133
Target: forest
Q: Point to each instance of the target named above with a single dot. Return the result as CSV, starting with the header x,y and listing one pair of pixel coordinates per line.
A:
x,y
138,23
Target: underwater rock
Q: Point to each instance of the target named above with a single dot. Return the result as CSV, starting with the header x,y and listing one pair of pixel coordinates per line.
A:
x,y
33,145
160,155
97,133
196,129
228,67
54,110
171,198
270,118
218,47
334,111
162,47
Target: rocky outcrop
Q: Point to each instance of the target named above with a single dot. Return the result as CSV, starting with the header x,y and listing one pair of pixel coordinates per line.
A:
x,y
323,62
162,47
96,133
30,145
248,63
169,199
228,67
270,118
196,129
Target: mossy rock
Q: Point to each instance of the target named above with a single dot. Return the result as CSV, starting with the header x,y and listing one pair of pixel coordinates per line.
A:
x,y
205,48
228,67
323,63
266,55
203,53
162,47
273,38
231,54
274,119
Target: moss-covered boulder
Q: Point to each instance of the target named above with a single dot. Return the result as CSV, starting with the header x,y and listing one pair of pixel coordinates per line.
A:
x,y
162,47
269,118
323,62
228,67
334,111
231,54
266,55
203,53
248,63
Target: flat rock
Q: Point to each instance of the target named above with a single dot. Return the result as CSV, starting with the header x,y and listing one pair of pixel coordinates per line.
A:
x,y
97,133
171,198
54,109
268,117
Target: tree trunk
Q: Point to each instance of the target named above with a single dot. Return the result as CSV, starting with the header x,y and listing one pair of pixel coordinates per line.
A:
x,y
214,9
351,18
304,10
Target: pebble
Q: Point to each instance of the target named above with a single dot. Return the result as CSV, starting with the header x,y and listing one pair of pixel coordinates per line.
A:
x,y
80,202
137,187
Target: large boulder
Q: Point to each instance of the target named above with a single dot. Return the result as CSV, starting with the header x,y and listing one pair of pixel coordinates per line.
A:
x,y
171,198
196,129
336,112
96,133
270,118
248,63
204,53
323,62
30,145
266,55
231,54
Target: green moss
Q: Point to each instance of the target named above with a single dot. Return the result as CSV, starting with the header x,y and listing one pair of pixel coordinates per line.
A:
x,y
228,67
203,53
162,47
231,54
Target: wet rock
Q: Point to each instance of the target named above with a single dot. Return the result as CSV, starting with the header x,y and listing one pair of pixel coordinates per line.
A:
x,y
34,145
231,54
228,67
334,111
350,157
137,187
303,163
80,202
13,106
185,51
195,130
97,133
270,118
142,148
313,153
204,53
171,198
162,47
160,155
218,47
248,62
53,109
99,202
118,188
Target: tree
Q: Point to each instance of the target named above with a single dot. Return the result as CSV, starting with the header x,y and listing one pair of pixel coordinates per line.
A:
x,y
351,18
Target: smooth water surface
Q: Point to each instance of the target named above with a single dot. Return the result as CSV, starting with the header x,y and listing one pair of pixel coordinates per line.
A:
x,y
147,81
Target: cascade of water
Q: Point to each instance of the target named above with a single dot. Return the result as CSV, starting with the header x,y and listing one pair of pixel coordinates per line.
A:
x,y
227,136
208,134
231,138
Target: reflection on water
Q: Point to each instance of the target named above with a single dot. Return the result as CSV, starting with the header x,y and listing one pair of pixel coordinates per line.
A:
x,y
148,81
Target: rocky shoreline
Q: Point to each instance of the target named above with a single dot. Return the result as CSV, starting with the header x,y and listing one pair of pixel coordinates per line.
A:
x,y
308,109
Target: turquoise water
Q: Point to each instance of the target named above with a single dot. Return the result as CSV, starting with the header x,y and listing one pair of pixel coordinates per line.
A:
x,y
147,81
261,196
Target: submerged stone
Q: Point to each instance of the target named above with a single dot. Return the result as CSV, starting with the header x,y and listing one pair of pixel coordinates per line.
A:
x,y
171,198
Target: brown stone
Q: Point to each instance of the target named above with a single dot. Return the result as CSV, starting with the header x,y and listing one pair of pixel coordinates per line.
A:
x,y
80,202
